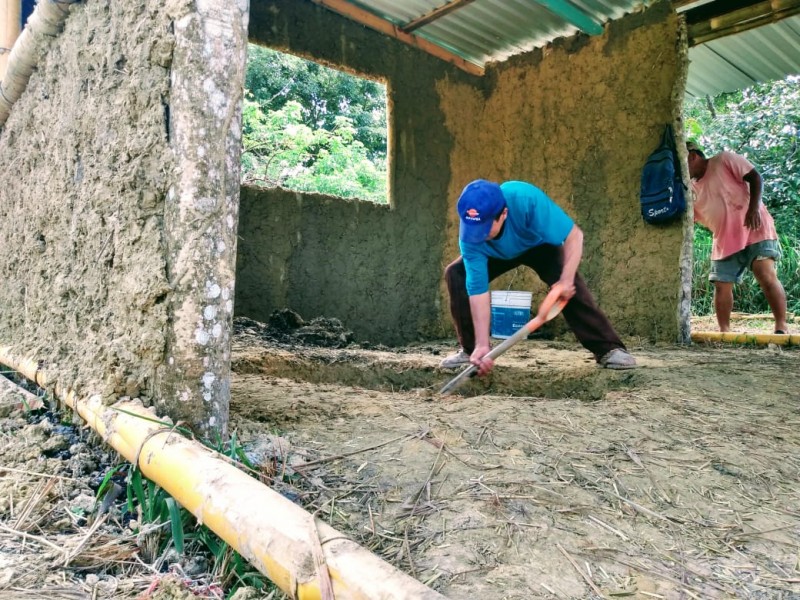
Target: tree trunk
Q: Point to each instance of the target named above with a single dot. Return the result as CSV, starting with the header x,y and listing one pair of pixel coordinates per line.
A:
x,y
201,215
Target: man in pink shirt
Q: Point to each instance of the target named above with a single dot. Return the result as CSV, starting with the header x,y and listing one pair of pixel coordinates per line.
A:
x,y
727,190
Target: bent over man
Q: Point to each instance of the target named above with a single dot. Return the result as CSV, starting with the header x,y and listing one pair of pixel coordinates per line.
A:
x,y
502,227
727,190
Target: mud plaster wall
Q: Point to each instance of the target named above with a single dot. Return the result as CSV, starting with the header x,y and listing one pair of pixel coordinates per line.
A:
x,y
579,120
376,268
84,163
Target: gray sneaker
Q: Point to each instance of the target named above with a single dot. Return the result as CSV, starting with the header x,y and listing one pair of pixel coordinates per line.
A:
x,y
454,361
617,359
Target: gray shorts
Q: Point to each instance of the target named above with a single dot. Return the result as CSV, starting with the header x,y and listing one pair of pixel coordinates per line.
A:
x,y
731,268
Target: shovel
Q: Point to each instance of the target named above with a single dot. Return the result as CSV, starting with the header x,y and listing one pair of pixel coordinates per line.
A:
x,y
550,307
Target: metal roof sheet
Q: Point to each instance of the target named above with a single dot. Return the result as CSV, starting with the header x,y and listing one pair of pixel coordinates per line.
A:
x,y
492,30
482,31
738,61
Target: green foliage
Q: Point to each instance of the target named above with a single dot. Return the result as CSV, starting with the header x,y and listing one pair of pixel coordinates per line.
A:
x,y
314,129
761,123
150,504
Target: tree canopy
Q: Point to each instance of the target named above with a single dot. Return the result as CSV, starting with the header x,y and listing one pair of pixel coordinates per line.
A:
x,y
311,128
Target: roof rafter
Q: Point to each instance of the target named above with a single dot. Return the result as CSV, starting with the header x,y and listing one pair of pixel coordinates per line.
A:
x,y
737,21
368,19
436,13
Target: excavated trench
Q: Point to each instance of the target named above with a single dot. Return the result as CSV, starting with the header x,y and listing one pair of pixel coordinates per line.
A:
x,y
322,352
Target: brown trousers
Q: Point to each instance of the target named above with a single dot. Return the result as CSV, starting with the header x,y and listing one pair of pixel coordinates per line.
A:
x,y
589,324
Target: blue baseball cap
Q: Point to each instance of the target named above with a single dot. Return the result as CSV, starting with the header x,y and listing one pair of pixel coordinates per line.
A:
x,y
480,203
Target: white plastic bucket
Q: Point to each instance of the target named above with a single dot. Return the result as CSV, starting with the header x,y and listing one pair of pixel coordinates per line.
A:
x,y
510,311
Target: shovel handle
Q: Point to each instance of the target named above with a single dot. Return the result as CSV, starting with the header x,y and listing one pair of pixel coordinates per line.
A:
x,y
550,307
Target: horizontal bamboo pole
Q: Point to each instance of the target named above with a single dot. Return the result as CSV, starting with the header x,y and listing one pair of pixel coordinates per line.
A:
x,y
761,339
275,535
746,19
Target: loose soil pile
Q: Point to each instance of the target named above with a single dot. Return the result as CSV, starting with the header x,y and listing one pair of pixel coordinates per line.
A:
x,y
552,478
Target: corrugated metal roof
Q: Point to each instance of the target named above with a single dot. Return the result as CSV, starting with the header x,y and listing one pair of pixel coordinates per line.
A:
x,y
482,31
492,30
739,61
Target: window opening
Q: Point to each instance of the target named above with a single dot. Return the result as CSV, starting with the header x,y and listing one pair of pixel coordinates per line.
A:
x,y
310,128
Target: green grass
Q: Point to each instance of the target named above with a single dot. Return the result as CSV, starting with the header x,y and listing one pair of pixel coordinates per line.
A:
x,y
148,503
747,296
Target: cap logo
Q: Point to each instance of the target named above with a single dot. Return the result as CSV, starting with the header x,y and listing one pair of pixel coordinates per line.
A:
x,y
472,214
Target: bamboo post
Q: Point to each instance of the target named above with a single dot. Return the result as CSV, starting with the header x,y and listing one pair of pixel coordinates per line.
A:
x,y
42,27
10,15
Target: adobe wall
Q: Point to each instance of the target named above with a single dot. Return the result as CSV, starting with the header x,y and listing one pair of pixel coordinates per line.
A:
x,y
85,167
578,119
376,268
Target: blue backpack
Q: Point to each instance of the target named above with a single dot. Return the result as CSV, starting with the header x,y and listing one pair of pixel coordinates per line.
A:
x,y
662,195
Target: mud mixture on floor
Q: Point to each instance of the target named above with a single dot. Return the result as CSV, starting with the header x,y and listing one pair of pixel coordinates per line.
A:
x,y
680,479
552,478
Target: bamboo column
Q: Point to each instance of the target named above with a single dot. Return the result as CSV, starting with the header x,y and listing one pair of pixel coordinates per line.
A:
x,y
10,14
41,29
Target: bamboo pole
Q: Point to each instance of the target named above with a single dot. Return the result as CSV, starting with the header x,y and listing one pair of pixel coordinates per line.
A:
x,y
43,26
765,13
275,535
11,13
761,339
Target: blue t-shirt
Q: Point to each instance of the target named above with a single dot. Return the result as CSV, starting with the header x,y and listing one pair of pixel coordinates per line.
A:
x,y
533,219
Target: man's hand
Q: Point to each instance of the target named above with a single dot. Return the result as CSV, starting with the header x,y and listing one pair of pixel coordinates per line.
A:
x,y
480,360
752,220
568,286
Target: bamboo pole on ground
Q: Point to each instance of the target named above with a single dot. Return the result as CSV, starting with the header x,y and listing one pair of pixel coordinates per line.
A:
x,y
276,536
732,337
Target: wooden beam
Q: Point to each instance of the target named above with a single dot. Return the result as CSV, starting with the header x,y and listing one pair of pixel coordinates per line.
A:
x,y
763,13
436,13
367,19
572,15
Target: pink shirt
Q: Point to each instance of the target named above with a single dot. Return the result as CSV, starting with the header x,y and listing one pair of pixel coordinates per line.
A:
x,y
721,201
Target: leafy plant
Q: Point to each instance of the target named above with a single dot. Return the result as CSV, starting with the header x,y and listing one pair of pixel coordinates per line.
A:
x,y
150,504
313,129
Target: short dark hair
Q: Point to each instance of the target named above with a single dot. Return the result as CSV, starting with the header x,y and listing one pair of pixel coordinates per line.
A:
x,y
692,146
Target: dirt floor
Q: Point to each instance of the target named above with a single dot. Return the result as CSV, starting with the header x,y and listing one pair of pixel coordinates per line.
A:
x,y
552,478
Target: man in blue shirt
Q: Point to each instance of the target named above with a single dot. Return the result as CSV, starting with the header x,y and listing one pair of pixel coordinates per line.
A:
x,y
502,227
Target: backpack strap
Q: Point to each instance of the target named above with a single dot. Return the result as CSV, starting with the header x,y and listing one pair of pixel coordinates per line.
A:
x,y
668,139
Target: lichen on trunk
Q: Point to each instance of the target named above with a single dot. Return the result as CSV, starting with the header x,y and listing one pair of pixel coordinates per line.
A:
x,y
201,213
